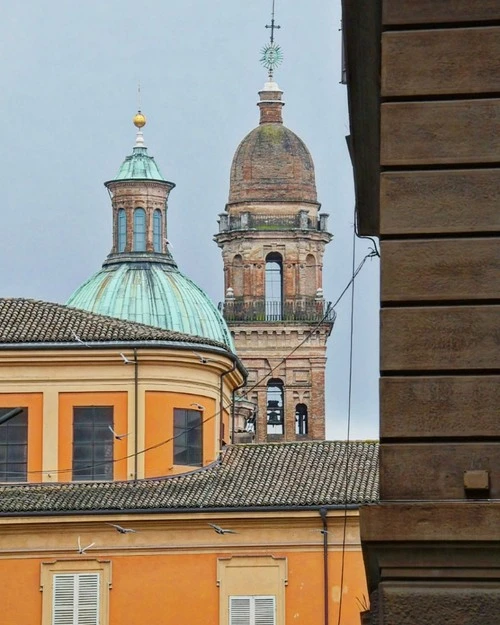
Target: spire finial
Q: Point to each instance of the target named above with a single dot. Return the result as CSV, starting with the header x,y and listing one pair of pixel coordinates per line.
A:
x,y
272,55
139,121
272,26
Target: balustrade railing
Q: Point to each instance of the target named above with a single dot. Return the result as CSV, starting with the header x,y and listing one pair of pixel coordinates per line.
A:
x,y
300,309
249,221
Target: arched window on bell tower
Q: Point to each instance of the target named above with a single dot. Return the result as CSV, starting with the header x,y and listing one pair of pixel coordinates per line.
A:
x,y
139,230
274,287
122,230
310,276
237,277
157,229
300,419
275,407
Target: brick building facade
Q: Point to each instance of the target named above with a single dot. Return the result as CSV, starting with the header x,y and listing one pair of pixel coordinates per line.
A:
x,y
273,237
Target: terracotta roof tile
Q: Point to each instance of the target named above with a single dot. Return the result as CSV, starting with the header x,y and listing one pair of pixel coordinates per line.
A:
x,y
272,475
32,321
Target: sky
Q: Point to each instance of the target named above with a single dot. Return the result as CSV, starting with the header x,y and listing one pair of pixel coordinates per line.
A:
x,y
69,91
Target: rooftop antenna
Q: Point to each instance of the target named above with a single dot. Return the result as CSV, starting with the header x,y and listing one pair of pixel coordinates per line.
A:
x,y
272,55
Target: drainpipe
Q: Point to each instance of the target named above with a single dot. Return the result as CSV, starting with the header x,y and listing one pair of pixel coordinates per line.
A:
x,y
232,408
221,411
324,531
136,411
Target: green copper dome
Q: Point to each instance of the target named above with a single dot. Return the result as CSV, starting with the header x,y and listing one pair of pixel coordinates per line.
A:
x,y
154,293
140,281
139,165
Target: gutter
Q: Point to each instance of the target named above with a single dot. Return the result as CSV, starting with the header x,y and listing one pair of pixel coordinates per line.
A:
x,y
221,407
215,510
152,344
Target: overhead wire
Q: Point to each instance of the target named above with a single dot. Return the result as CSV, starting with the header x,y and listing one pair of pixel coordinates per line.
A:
x,y
348,433
220,411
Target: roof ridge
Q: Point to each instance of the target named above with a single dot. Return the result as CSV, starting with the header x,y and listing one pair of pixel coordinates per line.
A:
x,y
25,320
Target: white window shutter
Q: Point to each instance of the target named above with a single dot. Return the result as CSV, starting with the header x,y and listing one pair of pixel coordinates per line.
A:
x,y
252,610
239,611
76,599
88,599
63,600
264,611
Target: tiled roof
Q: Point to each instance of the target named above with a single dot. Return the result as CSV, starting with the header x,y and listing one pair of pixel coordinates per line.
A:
x,y
272,475
31,321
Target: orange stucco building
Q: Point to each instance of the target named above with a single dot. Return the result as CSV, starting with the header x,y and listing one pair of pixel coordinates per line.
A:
x,y
67,555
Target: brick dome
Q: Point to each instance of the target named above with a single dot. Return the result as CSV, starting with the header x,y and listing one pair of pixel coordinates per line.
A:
x,y
272,163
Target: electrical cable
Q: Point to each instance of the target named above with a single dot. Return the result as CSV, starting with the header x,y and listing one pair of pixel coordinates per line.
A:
x,y
329,308
346,475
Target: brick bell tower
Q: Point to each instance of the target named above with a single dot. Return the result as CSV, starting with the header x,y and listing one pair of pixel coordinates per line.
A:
x,y
273,237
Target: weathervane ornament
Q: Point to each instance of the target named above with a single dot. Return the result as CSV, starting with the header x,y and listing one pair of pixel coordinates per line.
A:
x,y
272,55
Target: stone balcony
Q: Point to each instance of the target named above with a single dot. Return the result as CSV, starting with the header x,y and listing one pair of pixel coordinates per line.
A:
x,y
250,221
298,309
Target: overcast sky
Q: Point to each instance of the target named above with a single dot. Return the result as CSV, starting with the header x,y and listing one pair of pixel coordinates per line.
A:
x,y
69,91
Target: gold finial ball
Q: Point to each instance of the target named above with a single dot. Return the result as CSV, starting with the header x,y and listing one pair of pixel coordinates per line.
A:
x,y
139,120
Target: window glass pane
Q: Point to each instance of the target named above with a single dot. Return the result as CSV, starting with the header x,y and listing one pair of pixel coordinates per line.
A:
x,y
274,287
16,453
139,230
14,447
157,231
92,443
122,229
188,433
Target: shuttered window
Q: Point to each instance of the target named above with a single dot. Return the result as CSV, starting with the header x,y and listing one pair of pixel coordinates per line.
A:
x,y
76,599
252,610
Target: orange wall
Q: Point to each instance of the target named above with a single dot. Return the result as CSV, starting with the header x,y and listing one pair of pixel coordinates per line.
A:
x,y
66,403
182,588
305,580
160,427
20,596
34,403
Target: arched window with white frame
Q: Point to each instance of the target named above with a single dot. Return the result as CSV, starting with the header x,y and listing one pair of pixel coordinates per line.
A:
x,y
122,230
139,230
157,230
274,287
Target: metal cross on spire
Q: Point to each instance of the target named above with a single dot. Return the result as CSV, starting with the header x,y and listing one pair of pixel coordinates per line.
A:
x,y
271,53
272,26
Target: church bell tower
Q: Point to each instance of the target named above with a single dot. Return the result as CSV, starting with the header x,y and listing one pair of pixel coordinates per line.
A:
x,y
273,237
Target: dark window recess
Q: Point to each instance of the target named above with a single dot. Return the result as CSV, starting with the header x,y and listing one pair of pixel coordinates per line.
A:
x,y
300,419
275,404
14,447
188,437
92,443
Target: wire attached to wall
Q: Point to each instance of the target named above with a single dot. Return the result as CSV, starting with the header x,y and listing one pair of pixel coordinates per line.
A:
x,y
330,307
348,433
